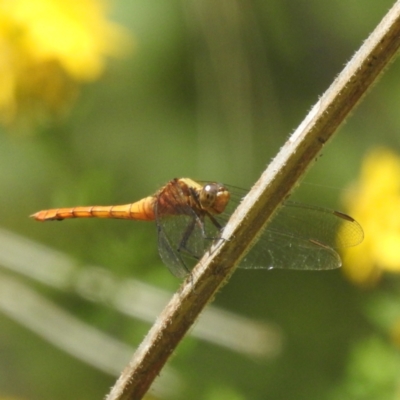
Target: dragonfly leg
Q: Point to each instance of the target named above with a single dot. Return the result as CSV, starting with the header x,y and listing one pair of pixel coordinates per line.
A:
x,y
183,244
186,236
215,222
199,221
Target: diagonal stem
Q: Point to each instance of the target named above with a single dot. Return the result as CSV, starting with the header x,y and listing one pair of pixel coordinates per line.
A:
x,y
275,184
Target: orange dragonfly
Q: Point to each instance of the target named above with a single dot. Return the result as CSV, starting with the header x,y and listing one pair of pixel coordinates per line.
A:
x,y
189,215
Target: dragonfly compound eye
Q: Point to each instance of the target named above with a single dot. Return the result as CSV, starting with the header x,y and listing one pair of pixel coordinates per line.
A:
x,y
208,195
214,197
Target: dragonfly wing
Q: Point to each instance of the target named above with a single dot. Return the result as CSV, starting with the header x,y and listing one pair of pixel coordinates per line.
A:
x,y
276,250
300,237
169,254
183,240
178,256
329,227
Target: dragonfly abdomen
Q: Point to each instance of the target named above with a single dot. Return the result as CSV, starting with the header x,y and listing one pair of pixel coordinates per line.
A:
x,y
140,210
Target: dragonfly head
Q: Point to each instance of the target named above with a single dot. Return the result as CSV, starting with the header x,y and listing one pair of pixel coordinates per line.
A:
x,y
214,197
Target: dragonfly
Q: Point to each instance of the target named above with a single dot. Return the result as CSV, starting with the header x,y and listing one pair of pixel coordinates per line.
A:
x,y
190,215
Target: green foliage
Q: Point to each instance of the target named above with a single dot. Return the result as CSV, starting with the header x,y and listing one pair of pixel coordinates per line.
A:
x,y
177,106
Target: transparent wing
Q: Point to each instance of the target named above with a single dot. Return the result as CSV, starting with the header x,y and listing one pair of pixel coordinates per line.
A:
x,y
169,254
276,250
299,237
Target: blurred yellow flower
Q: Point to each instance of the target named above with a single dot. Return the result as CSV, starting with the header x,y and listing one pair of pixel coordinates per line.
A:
x,y
375,203
48,47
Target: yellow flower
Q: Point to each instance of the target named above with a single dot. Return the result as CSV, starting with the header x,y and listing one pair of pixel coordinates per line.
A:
x,y
47,47
375,203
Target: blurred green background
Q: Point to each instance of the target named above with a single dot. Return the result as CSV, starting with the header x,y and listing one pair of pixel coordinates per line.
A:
x,y
211,90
